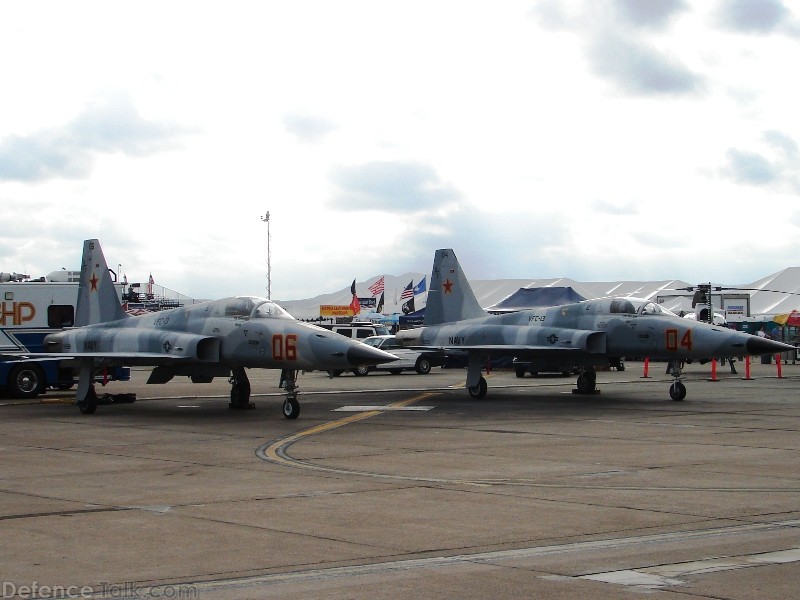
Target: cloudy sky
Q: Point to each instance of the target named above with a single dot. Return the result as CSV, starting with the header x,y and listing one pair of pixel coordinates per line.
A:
x,y
598,140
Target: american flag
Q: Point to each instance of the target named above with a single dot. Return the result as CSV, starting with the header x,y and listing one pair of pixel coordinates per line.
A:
x,y
408,292
377,287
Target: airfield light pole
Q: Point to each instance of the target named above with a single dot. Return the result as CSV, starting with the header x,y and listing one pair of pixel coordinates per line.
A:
x,y
269,257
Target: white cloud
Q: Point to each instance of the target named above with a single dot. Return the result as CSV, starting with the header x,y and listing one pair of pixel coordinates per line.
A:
x,y
308,128
109,125
649,13
639,69
393,187
576,138
753,16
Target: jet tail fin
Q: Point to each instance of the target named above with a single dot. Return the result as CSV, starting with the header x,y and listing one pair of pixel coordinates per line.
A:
x,y
450,297
97,299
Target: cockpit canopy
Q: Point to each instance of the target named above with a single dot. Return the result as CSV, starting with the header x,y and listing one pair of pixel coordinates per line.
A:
x,y
636,306
252,307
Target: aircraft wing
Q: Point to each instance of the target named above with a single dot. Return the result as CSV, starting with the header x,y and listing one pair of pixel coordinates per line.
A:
x,y
36,356
504,349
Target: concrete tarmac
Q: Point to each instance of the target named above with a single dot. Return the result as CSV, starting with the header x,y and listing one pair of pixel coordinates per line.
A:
x,y
404,487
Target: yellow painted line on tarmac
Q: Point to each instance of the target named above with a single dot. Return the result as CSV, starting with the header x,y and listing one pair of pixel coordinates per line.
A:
x,y
276,451
57,401
33,401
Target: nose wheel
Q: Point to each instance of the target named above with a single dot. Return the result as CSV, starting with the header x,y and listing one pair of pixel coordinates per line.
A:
x,y
677,391
291,407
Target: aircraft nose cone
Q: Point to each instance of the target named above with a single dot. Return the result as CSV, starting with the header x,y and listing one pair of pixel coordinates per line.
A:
x,y
361,354
759,345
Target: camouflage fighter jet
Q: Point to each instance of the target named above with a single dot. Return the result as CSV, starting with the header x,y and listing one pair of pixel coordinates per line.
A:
x,y
202,341
583,335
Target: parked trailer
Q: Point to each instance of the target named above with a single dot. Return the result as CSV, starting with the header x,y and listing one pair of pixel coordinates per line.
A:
x,y
29,311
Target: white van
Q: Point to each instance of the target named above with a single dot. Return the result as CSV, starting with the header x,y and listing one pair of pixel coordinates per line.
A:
x,y
357,330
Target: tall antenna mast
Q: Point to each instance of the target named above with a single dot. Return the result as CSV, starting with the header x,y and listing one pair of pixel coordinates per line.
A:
x,y
269,259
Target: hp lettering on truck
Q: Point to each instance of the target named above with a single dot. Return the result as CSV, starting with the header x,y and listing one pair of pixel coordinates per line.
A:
x,y
29,311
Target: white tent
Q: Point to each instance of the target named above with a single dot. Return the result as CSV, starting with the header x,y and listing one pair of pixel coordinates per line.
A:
x,y
771,295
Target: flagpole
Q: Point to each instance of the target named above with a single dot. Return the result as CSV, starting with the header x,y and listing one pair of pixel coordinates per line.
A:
x,y
269,256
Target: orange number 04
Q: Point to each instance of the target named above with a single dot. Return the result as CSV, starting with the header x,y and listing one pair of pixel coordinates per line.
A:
x,y
284,347
672,340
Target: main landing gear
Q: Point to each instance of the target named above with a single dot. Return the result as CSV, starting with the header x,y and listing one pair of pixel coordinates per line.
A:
x,y
86,396
88,406
476,384
587,382
240,390
478,390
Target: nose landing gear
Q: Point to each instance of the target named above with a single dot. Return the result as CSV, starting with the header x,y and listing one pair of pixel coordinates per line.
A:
x,y
291,407
677,390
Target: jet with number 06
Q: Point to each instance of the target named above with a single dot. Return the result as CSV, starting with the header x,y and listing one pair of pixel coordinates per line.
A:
x,y
220,338
578,336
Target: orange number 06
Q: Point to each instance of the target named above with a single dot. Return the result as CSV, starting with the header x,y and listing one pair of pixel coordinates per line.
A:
x,y
284,348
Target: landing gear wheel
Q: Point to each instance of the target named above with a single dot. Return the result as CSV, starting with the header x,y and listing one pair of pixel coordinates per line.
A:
x,y
587,382
26,381
423,366
361,371
239,400
240,390
89,404
677,391
478,391
291,408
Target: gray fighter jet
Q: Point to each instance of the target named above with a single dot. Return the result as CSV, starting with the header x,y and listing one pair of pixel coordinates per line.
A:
x,y
579,336
202,341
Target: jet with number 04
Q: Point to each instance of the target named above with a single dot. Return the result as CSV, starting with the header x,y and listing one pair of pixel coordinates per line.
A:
x,y
579,336
202,341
